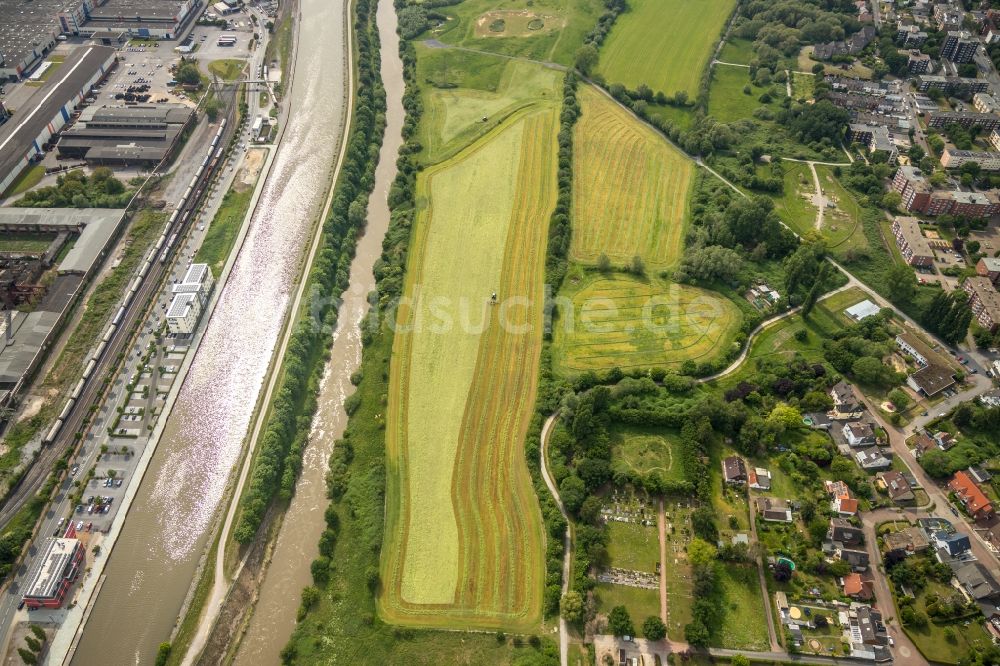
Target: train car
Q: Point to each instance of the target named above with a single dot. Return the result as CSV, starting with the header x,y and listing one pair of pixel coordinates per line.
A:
x,y
108,333
136,283
67,408
187,193
99,352
145,268
53,432
79,388
201,170
89,370
194,181
159,243
173,218
118,317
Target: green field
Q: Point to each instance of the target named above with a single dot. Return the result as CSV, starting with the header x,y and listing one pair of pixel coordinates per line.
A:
x,y
664,44
545,30
802,85
680,587
464,534
227,69
27,242
842,225
795,204
726,100
454,116
630,188
633,546
640,602
738,51
744,626
644,451
27,180
619,320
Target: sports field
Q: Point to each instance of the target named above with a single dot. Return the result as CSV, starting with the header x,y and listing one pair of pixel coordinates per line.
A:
x,y
455,117
630,188
622,321
664,43
463,529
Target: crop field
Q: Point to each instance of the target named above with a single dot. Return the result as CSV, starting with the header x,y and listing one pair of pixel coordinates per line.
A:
x,y
622,321
464,540
664,43
454,117
547,30
633,546
726,100
630,188
644,451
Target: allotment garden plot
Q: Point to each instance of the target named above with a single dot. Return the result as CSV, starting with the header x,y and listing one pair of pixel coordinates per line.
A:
x,y
619,320
664,44
630,188
463,529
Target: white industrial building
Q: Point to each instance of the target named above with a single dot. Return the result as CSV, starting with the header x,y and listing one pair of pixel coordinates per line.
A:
x,y
183,314
197,280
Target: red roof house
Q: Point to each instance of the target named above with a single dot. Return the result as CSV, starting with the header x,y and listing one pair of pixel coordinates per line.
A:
x,y
975,500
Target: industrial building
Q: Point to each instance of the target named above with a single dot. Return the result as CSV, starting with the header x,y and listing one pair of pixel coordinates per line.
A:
x,y
23,139
27,32
197,280
183,314
54,572
126,135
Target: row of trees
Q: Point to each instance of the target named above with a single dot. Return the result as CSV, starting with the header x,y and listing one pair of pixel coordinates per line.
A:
x,y
279,456
75,189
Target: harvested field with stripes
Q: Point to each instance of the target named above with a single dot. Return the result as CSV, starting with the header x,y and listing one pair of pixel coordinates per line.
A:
x,y
630,188
464,537
622,321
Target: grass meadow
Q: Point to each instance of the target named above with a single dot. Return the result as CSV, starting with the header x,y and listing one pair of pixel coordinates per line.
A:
x,y
647,450
630,188
726,100
745,625
664,44
640,602
842,225
633,546
739,51
619,320
464,534
564,24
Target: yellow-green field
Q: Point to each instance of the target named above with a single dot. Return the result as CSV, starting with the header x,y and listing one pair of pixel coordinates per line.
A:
x,y
664,43
622,321
647,451
454,117
630,188
464,539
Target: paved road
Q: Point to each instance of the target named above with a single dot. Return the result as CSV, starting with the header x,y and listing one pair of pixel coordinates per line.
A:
x,y
568,542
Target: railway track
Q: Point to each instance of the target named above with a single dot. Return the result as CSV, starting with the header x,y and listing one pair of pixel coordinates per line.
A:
x,y
73,419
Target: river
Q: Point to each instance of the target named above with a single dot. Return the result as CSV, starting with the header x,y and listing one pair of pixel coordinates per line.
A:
x,y
274,616
165,533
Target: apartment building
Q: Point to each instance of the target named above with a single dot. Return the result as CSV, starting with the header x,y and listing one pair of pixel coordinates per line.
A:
x,y
912,243
984,301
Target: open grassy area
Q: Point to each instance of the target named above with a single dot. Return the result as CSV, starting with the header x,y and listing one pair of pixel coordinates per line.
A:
x,y
619,320
663,43
640,602
738,51
27,242
795,204
454,116
631,188
463,530
227,69
647,450
726,100
547,30
745,626
802,85
842,224
633,546
931,640
225,227
27,180
680,586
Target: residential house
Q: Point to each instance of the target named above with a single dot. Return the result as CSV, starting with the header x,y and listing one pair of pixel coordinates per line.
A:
x,y
858,559
990,398
989,267
896,485
977,582
913,245
931,380
952,544
845,506
984,301
843,532
978,474
734,470
866,634
774,510
922,444
859,433
975,500
909,346
845,404
944,440
759,478
872,459
909,540
857,587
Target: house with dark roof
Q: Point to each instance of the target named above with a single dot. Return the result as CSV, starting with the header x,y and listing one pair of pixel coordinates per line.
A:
x,y
908,541
952,544
734,470
843,532
859,433
774,510
896,485
858,559
845,404
759,478
931,379
976,581
972,497
922,444
873,459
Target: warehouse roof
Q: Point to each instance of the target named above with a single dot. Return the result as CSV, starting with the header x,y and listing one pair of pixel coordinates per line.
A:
x,y
26,25
19,133
29,330
92,241
146,9
52,219
146,114
51,568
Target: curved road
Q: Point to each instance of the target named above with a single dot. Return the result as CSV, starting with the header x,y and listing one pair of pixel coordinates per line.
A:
x,y
567,543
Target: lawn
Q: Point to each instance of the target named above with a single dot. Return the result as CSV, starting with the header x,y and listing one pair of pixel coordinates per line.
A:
x,y
744,626
463,529
224,229
27,180
664,44
802,85
931,640
678,572
631,188
726,100
619,320
633,546
795,205
227,69
842,225
738,51
546,30
27,242
640,602
454,116
647,450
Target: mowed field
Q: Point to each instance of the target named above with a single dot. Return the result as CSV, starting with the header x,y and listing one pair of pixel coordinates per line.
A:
x,y
464,539
664,43
621,321
643,451
630,188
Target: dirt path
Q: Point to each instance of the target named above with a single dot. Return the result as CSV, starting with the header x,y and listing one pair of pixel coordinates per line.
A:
x,y
819,200
661,524
568,541
771,632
